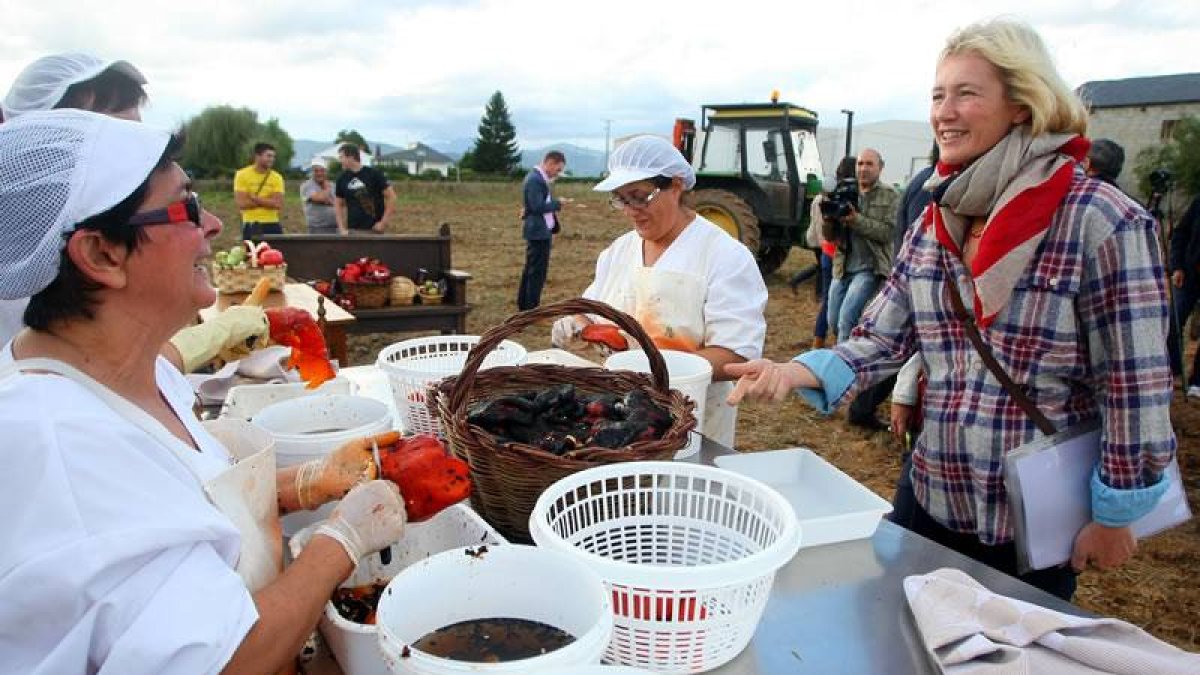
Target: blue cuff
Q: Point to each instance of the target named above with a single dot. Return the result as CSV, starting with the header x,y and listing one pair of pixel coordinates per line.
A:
x,y
832,372
1112,507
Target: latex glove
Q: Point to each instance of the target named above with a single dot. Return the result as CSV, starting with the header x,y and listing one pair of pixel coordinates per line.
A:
x,y
331,477
368,519
199,344
564,334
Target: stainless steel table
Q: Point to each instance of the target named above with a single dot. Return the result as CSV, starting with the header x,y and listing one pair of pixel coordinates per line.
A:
x,y
840,608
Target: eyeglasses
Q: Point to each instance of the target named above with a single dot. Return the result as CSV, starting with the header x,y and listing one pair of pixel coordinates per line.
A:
x,y
618,202
183,211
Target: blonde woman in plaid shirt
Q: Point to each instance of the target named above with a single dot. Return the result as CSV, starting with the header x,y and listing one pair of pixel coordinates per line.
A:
x,y
1068,289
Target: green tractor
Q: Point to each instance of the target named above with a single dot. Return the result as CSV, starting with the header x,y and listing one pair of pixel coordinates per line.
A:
x,y
757,171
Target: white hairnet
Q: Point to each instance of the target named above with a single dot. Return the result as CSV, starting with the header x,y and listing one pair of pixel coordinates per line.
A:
x,y
645,157
57,168
44,82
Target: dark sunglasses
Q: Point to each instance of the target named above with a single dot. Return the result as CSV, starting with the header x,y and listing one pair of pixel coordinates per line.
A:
x,y
183,211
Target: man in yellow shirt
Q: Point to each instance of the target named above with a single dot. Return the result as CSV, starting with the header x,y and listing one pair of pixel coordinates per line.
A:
x,y
258,191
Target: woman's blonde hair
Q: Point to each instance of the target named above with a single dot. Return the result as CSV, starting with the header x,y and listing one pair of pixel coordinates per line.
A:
x,y
1027,71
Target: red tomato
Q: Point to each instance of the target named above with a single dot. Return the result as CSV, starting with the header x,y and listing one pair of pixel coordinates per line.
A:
x,y
270,257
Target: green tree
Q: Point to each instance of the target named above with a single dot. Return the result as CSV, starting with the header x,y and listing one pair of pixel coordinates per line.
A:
x,y
274,134
352,136
496,148
221,139
1180,155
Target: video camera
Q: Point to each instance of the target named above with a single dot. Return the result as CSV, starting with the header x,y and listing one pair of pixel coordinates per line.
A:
x,y
843,199
1161,180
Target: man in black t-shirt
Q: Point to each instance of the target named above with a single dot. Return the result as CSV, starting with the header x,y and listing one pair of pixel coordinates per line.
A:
x,y
364,199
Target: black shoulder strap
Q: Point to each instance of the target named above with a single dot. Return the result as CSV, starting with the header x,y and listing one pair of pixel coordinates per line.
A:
x,y
989,359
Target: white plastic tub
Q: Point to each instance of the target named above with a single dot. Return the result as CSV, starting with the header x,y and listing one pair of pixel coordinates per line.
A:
x,y
688,373
355,645
311,427
830,505
520,582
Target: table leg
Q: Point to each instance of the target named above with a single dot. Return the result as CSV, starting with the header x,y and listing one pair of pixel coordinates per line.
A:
x,y
335,339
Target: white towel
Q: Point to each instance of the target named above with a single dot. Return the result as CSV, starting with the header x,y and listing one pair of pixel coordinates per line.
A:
x,y
973,631
262,366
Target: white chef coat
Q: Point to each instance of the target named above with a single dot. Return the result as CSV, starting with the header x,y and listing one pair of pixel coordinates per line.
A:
x,y
12,318
705,290
111,558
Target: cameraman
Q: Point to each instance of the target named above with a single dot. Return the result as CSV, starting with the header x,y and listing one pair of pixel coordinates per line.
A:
x,y
1185,277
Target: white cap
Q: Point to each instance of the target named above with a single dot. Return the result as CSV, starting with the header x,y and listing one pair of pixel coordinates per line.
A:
x,y
57,168
318,162
645,157
44,82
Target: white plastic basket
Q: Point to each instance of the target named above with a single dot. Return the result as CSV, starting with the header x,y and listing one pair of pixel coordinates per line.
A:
x,y
689,553
413,364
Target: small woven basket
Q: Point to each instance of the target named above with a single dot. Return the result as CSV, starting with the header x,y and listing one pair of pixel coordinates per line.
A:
x,y
402,291
244,279
508,478
368,296
430,298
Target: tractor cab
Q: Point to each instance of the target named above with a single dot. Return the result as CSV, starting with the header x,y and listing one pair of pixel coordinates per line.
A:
x,y
757,170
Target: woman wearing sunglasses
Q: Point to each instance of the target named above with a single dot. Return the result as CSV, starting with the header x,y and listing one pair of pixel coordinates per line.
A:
x,y
114,88
132,539
691,286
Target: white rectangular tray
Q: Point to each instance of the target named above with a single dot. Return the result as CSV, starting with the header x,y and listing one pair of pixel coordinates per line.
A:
x,y
831,506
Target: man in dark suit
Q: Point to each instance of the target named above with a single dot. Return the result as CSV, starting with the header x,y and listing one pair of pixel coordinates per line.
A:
x,y
540,223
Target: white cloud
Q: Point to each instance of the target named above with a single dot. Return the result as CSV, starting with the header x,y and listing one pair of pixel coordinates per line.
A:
x,y
402,71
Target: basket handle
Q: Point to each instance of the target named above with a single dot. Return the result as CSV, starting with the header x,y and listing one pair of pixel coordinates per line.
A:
x,y
521,320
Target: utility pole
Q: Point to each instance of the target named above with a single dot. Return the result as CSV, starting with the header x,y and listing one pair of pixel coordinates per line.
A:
x,y
849,128
607,131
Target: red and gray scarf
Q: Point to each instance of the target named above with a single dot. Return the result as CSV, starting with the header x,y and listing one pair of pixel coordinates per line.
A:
x,y
1016,186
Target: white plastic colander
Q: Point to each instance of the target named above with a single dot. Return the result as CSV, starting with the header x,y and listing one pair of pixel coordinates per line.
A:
x,y
689,553
413,364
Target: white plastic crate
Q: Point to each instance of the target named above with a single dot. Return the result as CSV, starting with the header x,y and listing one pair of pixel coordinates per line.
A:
x,y
414,364
830,505
689,553
355,645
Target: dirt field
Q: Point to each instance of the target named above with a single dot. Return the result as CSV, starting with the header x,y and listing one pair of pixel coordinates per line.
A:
x,y
1156,590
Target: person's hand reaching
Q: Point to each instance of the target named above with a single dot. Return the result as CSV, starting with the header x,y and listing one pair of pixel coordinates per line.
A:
x,y
368,519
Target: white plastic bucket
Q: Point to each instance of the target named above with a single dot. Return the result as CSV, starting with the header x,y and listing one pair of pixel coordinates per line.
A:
x,y
356,645
689,373
311,427
519,582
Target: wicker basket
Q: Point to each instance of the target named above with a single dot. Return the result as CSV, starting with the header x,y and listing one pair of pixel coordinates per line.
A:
x,y
509,478
402,290
430,298
368,296
243,279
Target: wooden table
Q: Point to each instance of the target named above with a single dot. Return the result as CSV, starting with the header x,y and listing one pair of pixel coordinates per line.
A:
x,y
304,297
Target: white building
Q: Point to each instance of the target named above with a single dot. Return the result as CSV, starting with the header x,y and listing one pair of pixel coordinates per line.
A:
x,y
418,158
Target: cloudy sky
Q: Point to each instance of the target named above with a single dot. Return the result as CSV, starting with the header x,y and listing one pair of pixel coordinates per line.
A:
x,y
409,70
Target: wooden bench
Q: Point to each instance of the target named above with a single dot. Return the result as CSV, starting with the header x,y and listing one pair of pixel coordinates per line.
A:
x,y
317,256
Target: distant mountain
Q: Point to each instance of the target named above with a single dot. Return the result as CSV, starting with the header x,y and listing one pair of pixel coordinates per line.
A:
x,y
580,161
305,149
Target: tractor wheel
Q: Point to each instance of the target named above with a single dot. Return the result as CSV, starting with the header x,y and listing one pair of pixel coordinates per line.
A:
x,y
771,257
731,213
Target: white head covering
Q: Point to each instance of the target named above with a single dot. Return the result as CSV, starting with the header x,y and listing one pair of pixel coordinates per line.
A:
x,y
318,163
57,168
645,157
44,82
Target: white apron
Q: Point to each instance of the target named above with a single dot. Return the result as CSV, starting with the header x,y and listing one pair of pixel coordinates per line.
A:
x,y
670,307
244,493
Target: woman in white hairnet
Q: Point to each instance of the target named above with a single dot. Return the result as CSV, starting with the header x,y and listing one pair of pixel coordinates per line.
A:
x,y
114,88
691,286
132,541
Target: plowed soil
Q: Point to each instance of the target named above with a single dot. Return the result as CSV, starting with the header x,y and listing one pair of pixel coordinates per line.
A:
x,y
1156,590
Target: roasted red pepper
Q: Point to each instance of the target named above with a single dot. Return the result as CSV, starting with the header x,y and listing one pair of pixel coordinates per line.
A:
x,y
294,327
428,477
606,334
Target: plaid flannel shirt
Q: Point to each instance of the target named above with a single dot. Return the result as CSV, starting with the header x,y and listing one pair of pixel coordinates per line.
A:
x,y
1084,333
